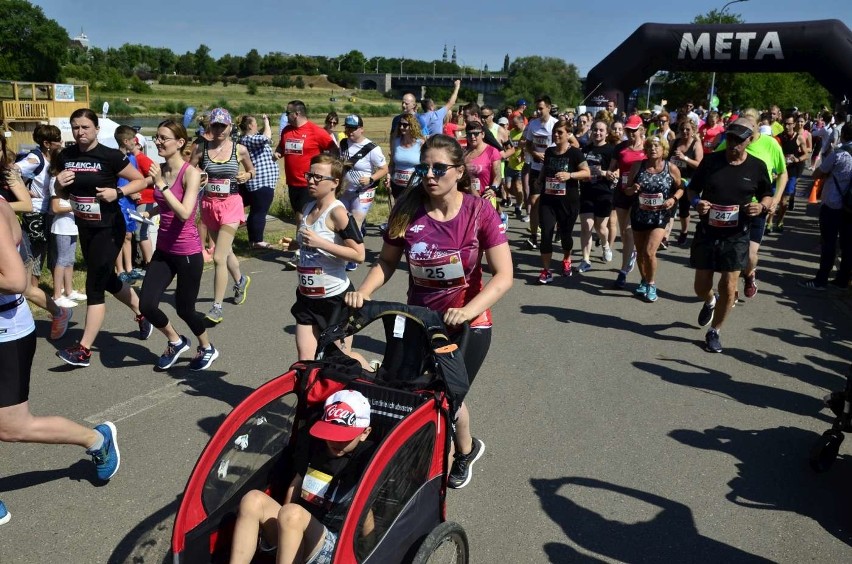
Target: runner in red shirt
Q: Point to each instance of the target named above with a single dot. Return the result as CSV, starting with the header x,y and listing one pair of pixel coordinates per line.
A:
x,y
145,201
301,140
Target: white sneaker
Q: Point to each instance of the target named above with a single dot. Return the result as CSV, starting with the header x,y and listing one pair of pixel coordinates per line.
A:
x,y
65,302
77,296
607,254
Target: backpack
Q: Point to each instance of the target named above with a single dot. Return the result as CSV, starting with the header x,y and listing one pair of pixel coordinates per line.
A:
x,y
22,156
845,194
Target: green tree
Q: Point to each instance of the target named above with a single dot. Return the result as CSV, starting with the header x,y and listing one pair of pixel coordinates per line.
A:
x,y
205,66
251,64
32,46
530,77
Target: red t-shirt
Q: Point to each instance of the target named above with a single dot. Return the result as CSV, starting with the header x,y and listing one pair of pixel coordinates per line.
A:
x,y
298,146
146,196
709,134
450,129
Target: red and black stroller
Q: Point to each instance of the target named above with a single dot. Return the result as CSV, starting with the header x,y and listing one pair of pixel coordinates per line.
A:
x,y
412,395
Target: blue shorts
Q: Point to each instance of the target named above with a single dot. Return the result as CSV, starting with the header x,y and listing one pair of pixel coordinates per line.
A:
x,y
758,226
127,206
790,188
326,551
512,174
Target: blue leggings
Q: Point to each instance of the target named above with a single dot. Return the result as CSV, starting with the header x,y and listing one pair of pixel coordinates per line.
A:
x,y
259,202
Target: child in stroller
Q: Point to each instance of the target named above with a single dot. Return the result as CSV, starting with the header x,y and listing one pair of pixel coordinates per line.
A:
x,y
328,472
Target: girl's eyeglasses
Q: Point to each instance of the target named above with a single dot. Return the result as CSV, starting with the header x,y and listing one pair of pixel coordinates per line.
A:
x,y
310,176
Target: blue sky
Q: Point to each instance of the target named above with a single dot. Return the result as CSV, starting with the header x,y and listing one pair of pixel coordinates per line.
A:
x,y
483,32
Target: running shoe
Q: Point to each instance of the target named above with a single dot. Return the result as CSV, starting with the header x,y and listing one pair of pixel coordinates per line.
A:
x,y
241,289
664,244
59,323
641,289
137,274
651,294
750,285
78,355
607,254
566,267
107,459
681,239
768,229
585,266
812,285
504,221
215,314
172,352
621,280
545,276
145,327
351,266
64,301
530,244
712,342
125,277
77,296
203,358
631,264
5,516
461,471
779,228
519,214
526,219
705,316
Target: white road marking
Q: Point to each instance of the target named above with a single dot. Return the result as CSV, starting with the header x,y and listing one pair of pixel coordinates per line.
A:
x,y
137,405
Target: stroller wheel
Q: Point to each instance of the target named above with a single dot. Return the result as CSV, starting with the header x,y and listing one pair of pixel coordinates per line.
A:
x,y
824,452
446,543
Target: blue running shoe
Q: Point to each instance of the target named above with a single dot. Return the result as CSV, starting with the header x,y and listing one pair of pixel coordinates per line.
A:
x,y
585,266
350,266
5,516
172,352
641,289
203,358
651,294
621,280
107,459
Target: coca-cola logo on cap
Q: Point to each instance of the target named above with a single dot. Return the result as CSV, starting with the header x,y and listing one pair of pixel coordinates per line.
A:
x,y
339,413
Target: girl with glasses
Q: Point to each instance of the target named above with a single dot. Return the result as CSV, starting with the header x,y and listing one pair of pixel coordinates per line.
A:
x,y
405,148
444,231
327,239
178,255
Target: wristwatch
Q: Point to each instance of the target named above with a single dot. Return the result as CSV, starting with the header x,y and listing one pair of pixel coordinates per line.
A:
x,y
118,194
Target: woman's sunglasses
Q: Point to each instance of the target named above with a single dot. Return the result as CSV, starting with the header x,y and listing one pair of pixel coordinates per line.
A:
x,y
438,169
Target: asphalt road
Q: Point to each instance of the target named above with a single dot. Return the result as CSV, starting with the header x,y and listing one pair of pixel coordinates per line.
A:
x,y
610,434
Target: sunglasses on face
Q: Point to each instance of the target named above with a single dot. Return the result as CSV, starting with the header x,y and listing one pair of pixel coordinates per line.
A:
x,y
312,176
474,133
438,169
404,125
486,116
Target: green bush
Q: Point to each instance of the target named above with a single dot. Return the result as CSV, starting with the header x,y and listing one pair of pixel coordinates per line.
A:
x,y
251,88
299,82
281,81
139,86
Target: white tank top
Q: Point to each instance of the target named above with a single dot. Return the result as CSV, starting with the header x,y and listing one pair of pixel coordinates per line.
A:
x,y
16,322
321,275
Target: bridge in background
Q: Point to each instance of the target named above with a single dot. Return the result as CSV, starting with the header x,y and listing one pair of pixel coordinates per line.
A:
x,y
385,82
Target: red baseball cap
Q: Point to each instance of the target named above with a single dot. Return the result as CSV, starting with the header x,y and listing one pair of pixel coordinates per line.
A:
x,y
346,415
633,122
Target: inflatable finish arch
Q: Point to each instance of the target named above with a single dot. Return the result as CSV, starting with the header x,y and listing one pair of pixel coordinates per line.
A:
x,y
822,48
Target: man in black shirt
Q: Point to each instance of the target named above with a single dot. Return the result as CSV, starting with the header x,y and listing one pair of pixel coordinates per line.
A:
x,y
728,189
306,527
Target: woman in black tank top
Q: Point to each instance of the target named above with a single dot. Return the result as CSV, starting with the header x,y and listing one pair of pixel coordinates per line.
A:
x,y
686,156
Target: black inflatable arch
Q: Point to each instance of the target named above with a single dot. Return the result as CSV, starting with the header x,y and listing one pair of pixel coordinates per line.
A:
x,y
822,48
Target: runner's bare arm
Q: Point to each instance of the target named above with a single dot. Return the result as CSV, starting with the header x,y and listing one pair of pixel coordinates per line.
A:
x,y
500,262
13,275
388,261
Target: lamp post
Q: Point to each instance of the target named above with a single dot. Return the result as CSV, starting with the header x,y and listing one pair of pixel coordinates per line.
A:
x,y
648,98
713,80
341,59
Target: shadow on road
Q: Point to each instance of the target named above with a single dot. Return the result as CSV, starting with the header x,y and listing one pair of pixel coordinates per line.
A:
x,y
149,541
671,536
773,474
603,321
747,393
80,471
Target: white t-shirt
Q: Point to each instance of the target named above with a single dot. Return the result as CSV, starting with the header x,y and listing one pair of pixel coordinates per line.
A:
x,y
375,159
540,135
39,188
63,223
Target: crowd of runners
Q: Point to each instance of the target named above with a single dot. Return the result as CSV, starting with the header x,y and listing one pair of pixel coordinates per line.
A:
x,y
636,181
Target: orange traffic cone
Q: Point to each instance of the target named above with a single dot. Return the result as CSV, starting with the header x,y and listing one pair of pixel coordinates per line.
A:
x,y
815,192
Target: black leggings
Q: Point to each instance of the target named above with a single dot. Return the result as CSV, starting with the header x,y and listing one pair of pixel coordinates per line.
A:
x,y
259,202
551,212
100,247
161,271
476,349
16,362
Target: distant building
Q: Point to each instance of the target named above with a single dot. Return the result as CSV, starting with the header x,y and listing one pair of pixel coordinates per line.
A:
x,y
81,40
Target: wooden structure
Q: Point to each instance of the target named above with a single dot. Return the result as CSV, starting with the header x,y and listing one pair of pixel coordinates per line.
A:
x,y
24,105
